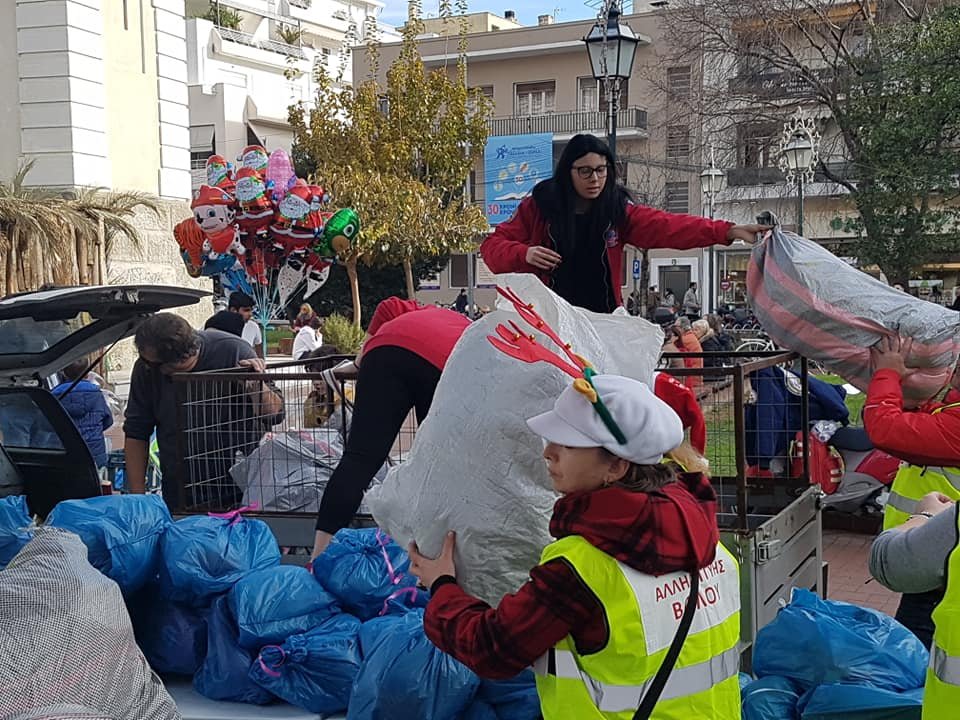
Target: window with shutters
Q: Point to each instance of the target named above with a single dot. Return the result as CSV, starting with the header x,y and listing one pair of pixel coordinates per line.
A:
x,y
678,197
536,98
678,143
678,81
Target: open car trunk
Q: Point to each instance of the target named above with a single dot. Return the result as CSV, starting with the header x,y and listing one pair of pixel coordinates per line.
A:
x,y
42,454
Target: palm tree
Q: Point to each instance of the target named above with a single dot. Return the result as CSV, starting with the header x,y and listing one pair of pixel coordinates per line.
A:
x,y
63,238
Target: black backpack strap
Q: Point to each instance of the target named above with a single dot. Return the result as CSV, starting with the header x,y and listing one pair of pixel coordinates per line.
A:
x,y
649,700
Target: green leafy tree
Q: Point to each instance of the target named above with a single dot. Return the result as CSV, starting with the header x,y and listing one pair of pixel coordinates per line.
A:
x,y
886,77
399,152
903,115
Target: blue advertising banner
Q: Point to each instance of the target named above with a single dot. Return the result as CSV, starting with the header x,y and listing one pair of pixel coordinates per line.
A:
x,y
512,165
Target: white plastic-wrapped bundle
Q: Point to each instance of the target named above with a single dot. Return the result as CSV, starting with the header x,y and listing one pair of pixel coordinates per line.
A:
x,y
810,301
67,644
474,466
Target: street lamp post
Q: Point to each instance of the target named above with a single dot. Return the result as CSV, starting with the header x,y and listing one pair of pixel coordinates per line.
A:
x,y
612,48
799,155
712,181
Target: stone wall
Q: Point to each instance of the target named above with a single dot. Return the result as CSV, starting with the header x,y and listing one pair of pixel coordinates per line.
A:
x,y
155,262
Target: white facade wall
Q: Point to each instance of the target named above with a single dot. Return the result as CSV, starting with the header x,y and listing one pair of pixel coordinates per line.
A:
x,y
245,83
60,73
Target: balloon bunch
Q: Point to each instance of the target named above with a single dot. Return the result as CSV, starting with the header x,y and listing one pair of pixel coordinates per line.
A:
x,y
262,229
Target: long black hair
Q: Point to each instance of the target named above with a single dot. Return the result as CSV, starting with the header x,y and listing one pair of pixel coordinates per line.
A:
x,y
557,200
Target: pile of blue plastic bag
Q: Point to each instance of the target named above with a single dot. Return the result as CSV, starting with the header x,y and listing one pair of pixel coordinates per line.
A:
x,y
826,660
208,597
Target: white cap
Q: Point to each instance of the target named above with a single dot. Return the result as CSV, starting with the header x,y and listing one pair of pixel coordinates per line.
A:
x,y
651,427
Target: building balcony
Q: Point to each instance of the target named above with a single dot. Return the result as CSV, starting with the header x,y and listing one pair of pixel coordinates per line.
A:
x,y
630,122
248,40
740,177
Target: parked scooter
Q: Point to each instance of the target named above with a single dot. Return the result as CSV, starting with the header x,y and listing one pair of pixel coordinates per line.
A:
x,y
854,476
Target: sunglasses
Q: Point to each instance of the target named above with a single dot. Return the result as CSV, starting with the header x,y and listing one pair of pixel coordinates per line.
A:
x,y
159,364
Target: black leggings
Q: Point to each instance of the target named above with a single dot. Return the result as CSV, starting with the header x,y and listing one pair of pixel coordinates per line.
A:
x,y
391,382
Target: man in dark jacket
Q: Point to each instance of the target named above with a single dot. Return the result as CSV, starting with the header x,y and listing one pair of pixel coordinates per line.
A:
x,y
223,418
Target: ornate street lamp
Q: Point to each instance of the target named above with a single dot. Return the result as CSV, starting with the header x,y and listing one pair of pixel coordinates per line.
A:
x,y
712,181
612,48
799,155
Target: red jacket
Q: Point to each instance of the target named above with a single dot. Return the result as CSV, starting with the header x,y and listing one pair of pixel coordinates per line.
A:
x,y
684,403
505,249
919,437
426,330
643,530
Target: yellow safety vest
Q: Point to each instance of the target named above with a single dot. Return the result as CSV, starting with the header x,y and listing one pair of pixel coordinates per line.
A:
x,y
941,695
642,614
913,482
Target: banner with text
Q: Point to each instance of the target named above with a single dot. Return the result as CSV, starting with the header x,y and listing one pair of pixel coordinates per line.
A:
x,y
512,165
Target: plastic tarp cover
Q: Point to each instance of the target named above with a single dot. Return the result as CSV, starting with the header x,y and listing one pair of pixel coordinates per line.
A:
x,y
203,556
67,639
405,676
816,642
314,670
14,521
272,604
289,471
122,534
475,467
810,301
853,702
363,569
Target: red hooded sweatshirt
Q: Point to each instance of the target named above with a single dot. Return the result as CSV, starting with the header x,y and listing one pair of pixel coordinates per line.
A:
x,y
643,530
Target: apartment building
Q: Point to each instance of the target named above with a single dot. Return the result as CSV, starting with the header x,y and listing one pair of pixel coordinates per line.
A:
x,y
540,81
95,94
248,61
749,151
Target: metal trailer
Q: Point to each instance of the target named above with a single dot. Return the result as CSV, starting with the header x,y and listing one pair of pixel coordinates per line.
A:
x,y
230,453
772,525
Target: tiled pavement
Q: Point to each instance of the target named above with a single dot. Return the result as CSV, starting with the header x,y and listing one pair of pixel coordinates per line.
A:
x,y
848,579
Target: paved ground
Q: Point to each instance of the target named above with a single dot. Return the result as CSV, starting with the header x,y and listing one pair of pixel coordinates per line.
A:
x,y
849,576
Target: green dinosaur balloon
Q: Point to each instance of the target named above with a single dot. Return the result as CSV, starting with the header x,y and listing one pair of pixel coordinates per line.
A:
x,y
339,233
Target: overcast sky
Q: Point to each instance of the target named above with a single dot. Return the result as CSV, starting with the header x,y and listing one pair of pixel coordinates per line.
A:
x,y
527,11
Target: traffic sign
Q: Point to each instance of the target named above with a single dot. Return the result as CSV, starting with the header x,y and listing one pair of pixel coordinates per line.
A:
x,y
725,285
636,269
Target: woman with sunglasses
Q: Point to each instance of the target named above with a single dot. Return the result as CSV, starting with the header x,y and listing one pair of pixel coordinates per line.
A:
x,y
572,229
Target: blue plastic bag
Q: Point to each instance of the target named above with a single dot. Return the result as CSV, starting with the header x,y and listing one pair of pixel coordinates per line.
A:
x,y
479,710
173,637
203,556
816,642
315,670
14,518
225,673
513,699
363,569
770,698
404,675
855,702
122,534
272,604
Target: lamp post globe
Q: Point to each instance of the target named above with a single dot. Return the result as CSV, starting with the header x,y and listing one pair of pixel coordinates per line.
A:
x,y
799,153
612,48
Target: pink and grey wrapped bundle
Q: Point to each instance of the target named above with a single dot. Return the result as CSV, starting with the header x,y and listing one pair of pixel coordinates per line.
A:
x,y
810,301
